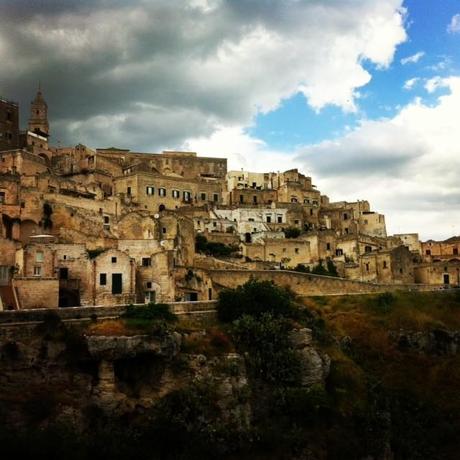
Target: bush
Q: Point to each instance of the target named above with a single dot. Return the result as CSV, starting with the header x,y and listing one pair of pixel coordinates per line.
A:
x,y
319,269
150,312
271,356
211,248
292,232
302,268
253,298
331,268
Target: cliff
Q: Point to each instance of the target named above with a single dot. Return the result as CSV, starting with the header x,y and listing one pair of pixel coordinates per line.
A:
x,y
358,377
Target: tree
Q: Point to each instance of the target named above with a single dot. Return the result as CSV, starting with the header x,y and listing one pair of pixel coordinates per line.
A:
x,y
291,232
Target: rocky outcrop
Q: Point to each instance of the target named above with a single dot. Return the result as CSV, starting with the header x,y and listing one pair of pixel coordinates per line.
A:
x,y
315,364
434,341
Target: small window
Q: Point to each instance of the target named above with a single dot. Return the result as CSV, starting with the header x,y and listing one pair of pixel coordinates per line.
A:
x,y
106,219
39,256
215,197
241,199
149,190
296,222
149,285
175,194
162,191
2,197
37,271
114,260
345,216
128,191
269,219
280,219
163,229
455,251
203,196
385,264
254,199
428,252
146,261
311,212
328,246
296,250
102,279
214,224
367,267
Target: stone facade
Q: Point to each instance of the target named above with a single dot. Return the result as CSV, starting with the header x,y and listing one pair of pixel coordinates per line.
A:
x,y
68,212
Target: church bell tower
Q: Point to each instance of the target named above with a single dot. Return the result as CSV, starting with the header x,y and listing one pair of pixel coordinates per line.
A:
x,y
38,121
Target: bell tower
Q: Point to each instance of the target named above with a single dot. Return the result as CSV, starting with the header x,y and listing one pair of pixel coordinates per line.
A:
x,y
38,121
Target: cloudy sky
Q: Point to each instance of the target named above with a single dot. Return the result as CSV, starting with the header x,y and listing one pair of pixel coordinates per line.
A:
x,y
363,95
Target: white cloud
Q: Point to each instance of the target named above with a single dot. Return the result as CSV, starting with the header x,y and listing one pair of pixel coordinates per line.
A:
x,y
409,84
413,59
454,25
432,84
407,166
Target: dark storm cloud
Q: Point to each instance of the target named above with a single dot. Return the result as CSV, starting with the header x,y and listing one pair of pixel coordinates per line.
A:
x,y
152,73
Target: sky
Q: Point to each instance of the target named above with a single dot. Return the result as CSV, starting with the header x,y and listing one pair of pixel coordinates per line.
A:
x,y
362,95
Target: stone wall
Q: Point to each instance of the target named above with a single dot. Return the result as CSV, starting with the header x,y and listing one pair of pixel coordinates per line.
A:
x,y
38,292
302,284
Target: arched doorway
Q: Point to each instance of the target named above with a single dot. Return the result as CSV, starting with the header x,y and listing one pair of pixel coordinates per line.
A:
x,y
162,207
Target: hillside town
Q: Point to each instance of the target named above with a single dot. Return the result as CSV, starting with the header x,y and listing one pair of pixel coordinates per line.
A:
x,y
85,226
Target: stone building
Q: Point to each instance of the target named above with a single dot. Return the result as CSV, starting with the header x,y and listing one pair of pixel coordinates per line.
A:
x,y
9,125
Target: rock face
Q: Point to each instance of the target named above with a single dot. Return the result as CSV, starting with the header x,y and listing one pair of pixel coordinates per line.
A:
x,y
315,364
116,347
435,341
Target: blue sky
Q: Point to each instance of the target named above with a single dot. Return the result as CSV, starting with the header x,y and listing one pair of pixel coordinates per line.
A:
x,y
295,123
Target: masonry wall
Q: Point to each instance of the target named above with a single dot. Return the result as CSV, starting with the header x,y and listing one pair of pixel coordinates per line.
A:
x,y
37,292
302,284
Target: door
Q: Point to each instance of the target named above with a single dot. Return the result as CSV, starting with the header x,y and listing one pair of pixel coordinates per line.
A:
x,y
446,279
117,283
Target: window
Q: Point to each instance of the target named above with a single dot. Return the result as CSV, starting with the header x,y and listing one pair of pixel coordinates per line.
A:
x,y
296,250
162,191
296,222
149,285
149,190
163,229
328,246
128,191
368,249
367,267
64,257
106,219
279,219
203,196
2,197
455,251
428,252
254,199
214,224
241,199
114,260
269,219
346,231
306,200
339,252
385,264
294,199
39,256
311,212
37,271
187,196
175,194
365,222
146,261
284,249
251,219
345,216
215,197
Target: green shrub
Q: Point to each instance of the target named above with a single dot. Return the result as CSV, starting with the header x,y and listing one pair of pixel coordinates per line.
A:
x,y
253,298
150,312
212,248
292,232
271,356
331,268
319,269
